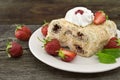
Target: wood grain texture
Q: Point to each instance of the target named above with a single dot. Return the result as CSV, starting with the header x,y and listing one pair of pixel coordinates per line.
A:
x,y
29,68
35,11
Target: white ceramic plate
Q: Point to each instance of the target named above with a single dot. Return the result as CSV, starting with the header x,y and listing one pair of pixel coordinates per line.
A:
x,y
79,64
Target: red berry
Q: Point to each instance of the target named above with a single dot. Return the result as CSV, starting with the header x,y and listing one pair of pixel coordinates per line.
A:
x,y
26,29
52,47
44,29
113,43
100,17
66,55
23,33
79,11
14,49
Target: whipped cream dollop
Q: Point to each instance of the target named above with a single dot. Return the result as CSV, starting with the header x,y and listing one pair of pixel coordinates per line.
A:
x,y
80,16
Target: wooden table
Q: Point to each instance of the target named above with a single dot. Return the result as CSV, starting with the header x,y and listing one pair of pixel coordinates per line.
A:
x,y
32,13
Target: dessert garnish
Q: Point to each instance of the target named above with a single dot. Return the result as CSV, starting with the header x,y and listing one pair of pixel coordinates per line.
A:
x,y
79,11
108,56
80,16
114,42
100,17
66,55
110,52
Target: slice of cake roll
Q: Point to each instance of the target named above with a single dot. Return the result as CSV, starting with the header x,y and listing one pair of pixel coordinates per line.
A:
x,y
84,41
62,30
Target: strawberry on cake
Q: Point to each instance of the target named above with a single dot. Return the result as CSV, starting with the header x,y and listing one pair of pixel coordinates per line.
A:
x,y
82,31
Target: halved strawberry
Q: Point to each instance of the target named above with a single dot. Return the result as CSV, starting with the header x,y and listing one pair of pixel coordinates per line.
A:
x,y
114,42
100,17
66,55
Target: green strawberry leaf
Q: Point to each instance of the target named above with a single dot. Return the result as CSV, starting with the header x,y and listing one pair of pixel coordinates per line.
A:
x,y
61,54
106,58
8,46
118,42
44,23
44,41
107,18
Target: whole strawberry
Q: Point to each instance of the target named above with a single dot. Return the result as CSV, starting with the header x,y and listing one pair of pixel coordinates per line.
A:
x,y
100,17
66,55
51,46
44,29
14,49
114,42
22,32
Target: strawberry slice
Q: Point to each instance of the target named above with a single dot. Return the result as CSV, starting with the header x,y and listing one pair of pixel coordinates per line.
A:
x,y
100,17
66,55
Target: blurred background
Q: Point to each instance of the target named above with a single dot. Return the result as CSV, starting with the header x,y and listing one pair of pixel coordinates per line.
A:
x,y
35,11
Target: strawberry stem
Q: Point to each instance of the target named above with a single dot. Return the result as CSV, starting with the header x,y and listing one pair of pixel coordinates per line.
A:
x,y
118,42
45,41
9,55
18,26
45,21
107,17
60,54
8,44
41,40
101,11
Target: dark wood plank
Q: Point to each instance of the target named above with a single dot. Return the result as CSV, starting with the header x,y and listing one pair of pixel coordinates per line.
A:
x,y
35,11
29,68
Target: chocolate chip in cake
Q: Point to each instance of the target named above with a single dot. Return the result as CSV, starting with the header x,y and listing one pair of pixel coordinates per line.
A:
x,y
79,49
80,35
56,28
